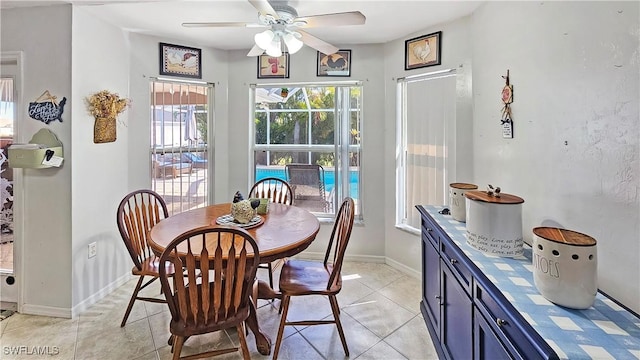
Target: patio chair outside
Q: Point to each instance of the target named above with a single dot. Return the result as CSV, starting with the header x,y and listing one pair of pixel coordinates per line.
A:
x,y
196,161
307,183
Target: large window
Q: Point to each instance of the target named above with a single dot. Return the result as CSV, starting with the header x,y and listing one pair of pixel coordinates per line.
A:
x,y
310,135
426,122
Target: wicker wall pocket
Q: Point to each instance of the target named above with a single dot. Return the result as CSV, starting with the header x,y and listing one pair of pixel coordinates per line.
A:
x,y
104,130
106,107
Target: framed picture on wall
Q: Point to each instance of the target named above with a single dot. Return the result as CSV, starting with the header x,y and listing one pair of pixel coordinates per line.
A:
x,y
273,67
183,61
423,51
338,64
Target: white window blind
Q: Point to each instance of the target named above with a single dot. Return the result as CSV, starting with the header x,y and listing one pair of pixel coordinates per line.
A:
x,y
426,133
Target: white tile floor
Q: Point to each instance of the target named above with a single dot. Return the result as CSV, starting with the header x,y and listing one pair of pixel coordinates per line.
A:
x,y
380,314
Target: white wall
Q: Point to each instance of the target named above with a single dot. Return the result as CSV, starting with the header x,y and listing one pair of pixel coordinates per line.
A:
x,y
100,62
46,236
575,155
402,248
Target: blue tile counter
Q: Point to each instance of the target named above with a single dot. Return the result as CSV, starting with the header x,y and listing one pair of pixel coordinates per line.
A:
x,y
604,331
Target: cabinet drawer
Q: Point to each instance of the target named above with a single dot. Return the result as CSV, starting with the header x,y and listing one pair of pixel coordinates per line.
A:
x,y
429,232
457,262
509,326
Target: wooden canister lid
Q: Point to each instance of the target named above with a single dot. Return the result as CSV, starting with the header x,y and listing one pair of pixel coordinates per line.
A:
x,y
463,186
503,199
564,236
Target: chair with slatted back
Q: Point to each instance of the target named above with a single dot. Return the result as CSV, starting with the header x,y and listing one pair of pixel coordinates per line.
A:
x,y
274,189
214,293
277,191
302,277
137,213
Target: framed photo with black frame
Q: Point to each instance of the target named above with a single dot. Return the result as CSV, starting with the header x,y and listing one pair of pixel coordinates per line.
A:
x,y
337,64
423,51
182,61
270,67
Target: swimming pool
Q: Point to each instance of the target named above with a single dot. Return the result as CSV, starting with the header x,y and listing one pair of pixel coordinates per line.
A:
x,y
329,178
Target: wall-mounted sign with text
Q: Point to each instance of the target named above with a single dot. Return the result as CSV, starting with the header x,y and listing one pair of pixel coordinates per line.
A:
x,y
46,108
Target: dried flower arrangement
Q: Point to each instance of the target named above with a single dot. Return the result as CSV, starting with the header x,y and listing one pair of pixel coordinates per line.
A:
x,y
105,107
105,104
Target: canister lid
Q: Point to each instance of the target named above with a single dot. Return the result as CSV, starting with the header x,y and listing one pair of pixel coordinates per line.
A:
x,y
463,186
503,199
564,236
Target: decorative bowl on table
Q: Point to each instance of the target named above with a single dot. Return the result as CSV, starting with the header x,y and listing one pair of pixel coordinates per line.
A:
x,y
228,220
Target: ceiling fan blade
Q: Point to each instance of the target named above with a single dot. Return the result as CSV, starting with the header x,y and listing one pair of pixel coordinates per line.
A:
x,y
320,45
264,8
255,51
221,24
337,19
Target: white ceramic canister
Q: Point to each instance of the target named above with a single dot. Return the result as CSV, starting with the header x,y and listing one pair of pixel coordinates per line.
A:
x,y
565,266
457,200
494,224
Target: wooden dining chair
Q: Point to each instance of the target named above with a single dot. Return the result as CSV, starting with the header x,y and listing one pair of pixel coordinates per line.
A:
x,y
137,213
274,189
214,294
277,191
301,277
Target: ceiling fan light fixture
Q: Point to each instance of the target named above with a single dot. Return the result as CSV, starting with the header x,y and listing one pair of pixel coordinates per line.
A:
x,y
293,44
274,48
264,39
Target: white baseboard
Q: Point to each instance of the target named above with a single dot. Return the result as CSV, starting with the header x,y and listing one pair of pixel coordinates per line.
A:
x,y
368,258
31,309
404,268
357,258
99,295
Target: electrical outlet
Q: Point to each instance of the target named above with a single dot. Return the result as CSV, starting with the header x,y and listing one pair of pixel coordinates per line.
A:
x,y
92,249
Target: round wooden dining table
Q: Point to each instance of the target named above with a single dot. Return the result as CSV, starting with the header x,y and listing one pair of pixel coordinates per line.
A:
x,y
286,231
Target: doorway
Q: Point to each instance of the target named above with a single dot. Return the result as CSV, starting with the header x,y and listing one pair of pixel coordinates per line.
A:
x,y
9,105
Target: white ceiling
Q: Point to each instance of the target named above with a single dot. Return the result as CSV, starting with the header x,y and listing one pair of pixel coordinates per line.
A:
x,y
386,20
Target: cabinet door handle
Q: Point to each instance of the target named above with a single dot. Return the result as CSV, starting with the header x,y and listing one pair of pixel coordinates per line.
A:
x,y
501,322
438,297
453,261
429,229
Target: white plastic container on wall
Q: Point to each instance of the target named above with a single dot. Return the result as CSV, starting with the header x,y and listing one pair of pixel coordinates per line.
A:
x,y
565,266
494,223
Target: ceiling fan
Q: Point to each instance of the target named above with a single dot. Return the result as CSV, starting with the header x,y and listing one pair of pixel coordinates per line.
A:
x,y
284,28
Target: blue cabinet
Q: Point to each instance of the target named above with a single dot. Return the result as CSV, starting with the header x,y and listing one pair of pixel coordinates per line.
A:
x,y
467,317
431,284
487,344
456,317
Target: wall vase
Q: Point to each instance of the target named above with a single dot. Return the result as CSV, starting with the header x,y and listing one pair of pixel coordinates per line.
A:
x,y
104,130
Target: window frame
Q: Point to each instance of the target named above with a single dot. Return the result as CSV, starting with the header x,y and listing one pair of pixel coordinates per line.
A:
x,y
402,122
341,136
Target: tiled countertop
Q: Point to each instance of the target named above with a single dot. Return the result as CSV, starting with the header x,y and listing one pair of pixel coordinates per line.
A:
x,y
604,331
